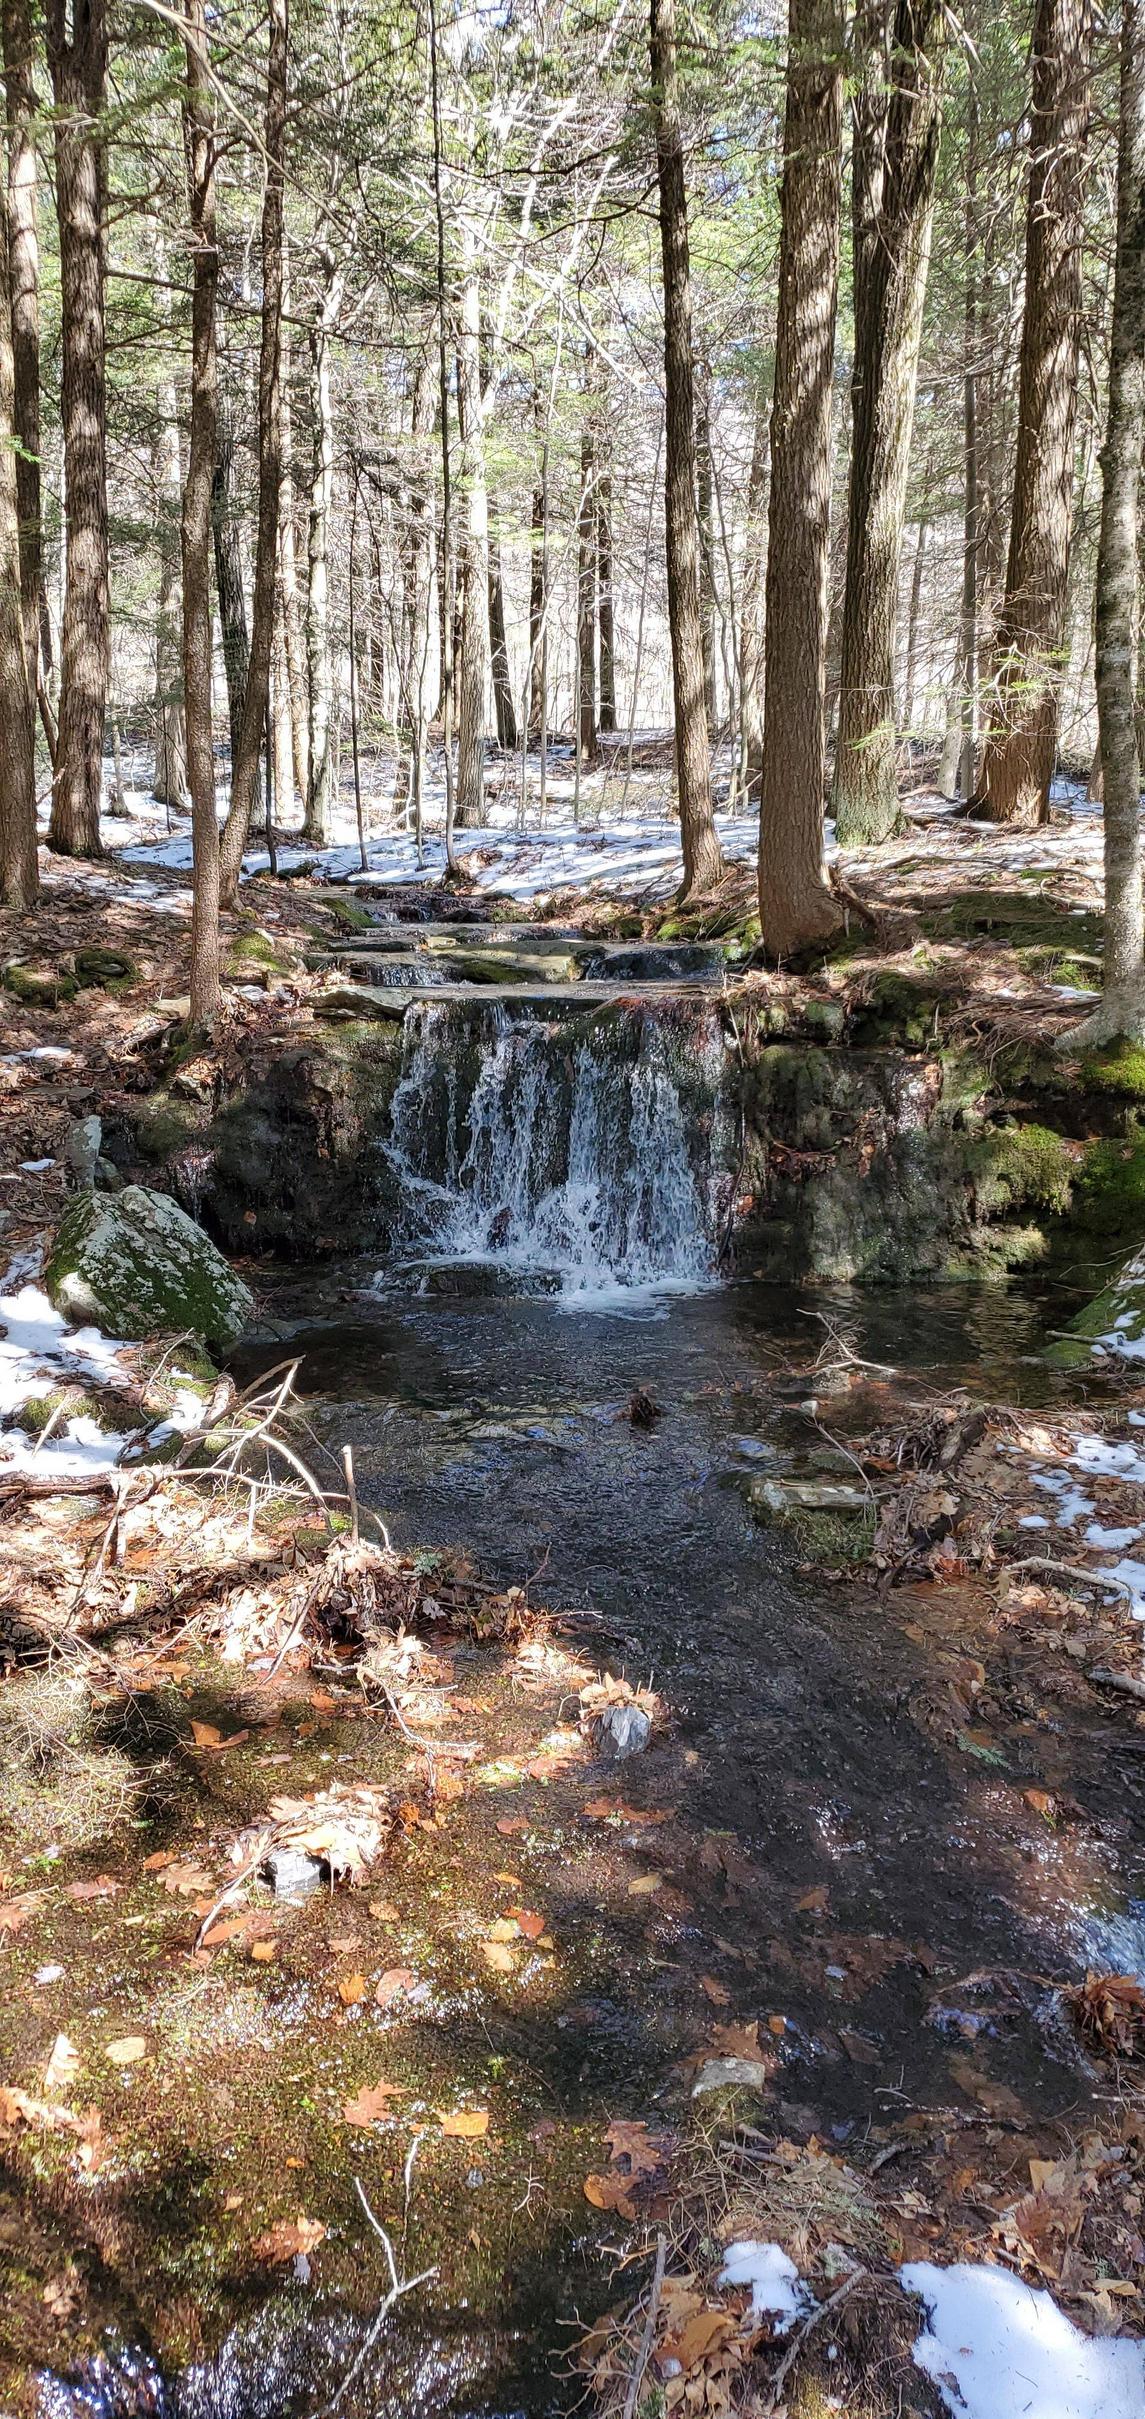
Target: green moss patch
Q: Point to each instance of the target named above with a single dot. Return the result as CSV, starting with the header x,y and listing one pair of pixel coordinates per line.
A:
x,y
36,987
1021,1167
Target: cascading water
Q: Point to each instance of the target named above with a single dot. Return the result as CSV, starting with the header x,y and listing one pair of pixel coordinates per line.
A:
x,y
587,1154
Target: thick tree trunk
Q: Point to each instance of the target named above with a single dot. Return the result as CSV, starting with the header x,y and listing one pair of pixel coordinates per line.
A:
x,y
703,862
320,792
1021,747
200,142
248,743
78,69
606,613
704,501
795,905
472,655
537,566
288,569
499,652
24,284
751,614
967,773
894,158
229,571
1123,1007
586,739
19,878
169,769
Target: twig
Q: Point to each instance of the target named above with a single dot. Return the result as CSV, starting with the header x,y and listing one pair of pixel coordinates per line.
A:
x,y
814,2319
1072,1570
1121,1680
351,1489
422,1745
294,1632
398,2286
645,2353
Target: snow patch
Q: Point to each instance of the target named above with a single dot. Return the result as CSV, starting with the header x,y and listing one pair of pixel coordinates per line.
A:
x,y
777,2291
998,2350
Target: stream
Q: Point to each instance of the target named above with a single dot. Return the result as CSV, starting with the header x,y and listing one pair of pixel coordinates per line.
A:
x,y
830,1849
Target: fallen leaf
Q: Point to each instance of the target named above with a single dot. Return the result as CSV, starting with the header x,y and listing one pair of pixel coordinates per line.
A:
x,y
394,1981
102,1887
497,1956
505,1928
63,2065
644,1885
383,1912
860,2050
509,1824
15,1912
813,1902
352,1989
289,2238
715,1991
264,1952
371,2102
466,2123
127,2052
702,2333
530,1924
738,2040
609,2192
187,1879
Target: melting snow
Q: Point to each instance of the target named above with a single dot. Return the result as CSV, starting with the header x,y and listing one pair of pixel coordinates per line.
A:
x,y
776,2290
997,2350
38,1352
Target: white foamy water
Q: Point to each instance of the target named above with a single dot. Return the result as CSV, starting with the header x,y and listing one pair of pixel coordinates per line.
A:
x,y
559,1155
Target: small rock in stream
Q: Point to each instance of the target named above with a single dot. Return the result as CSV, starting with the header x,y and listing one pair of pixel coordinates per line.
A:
x,y
724,2074
624,1730
293,1874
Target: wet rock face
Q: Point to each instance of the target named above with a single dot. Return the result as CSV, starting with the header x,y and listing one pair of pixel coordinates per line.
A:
x,y
136,1265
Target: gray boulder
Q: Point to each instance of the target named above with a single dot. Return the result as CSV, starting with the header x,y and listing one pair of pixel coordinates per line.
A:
x,y
134,1264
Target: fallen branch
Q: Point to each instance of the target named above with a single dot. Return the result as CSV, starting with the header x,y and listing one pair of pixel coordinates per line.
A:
x,y
1123,1681
645,2352
814,2319
1071,1570
398,2286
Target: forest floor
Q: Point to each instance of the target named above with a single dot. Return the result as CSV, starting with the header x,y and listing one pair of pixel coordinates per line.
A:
x,y
198,2071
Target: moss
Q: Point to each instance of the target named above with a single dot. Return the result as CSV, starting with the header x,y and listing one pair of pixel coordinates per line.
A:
x,y
1111,1189
1015,916
64,1785
161,1129
105,969
898,1006
138,1266
38,989
825,1019
1118,1071
254,952
349,914
1021,1167
831,1538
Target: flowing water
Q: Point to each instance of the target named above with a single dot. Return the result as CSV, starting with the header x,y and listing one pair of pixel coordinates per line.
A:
x,y
586,1171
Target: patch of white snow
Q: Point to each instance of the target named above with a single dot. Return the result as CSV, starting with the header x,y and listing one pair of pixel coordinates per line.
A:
x,y
997,2350
777,2291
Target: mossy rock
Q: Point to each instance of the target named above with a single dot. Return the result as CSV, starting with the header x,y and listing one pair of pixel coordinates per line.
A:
x,y
1118,1072
899,1007
135,1265
104,969
349,914
1111,1189
1110,1328
1021,1167
161,1129
36,988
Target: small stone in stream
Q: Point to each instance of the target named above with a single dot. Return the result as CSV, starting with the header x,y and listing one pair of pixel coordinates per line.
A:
x,y
727,2074
293,1874
624,1730
643,1411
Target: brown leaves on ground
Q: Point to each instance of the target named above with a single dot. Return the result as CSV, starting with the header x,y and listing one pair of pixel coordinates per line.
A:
x,y
371,2103
206,1736
289,2238
127,2052
698,2353
20,2108
346,1827
638,2166
16,1912
1109,2011
466,2124
394,1984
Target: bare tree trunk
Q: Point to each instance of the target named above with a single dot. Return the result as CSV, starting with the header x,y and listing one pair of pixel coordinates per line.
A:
x,y
169,770
199,123
319,796
537,599
707,553
1122,1010
605,607
252,723
281,726
912,623
751,616
967,774
78,69
1021,747
473,558
795,905
24,283
288,568
894,158
229,571
499,652
703,862
586,740
19,875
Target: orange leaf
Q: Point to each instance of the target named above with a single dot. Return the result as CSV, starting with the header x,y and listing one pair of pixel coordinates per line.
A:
x,y
466,2123
609,2192
372,2102
505,1928
288,2238
264,1952
497,1956
509,1824
394,1981
644,1885
103,1887
715,1991
15,1912
531,1925
352,1989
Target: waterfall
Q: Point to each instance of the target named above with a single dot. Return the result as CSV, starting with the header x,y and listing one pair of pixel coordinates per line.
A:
x,y
585,1153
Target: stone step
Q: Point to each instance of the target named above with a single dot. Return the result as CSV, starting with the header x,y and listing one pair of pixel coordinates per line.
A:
x,y
388,1002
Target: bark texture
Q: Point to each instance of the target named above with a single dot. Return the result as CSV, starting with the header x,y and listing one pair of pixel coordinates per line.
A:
x,y
606,616
77,57
703,863
893,162
19,880
1022,742
24,298
795,905
196,530
586,739
472,558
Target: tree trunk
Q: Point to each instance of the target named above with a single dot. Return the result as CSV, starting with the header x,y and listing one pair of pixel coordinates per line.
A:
x,y
704,503
751,615
967,773
24,286
499,652
78,70
288,569
606,616
795,905
1021,747
910,678
894,158
703,862
537,598
586,740
199,124
252,722
320,792
19,877
1123,1007
473,559
169,770
229,572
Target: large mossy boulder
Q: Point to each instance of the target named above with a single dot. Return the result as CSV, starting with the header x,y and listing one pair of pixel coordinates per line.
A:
x,y
136,1265
1110,1328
